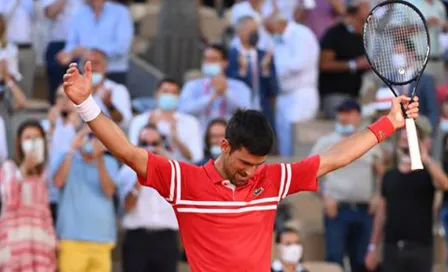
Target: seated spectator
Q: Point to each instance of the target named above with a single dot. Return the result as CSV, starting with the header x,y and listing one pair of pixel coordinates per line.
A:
x,y
86,223
255,67
290,250
59,13
214,134
296,55
151,240
8,53
180,131
113,98
27,237
343,60
102,25
19,16
405,215
214,95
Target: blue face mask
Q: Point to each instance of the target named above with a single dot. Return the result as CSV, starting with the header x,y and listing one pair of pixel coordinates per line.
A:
x,y
344,129
88,147
211,69
168,102
277,38
97,78
444,125
215,151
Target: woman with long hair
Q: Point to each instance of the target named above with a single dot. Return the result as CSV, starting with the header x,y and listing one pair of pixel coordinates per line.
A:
x,y
27,237
214,134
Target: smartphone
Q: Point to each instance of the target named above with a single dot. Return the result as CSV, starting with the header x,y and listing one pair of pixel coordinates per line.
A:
x,y
39,149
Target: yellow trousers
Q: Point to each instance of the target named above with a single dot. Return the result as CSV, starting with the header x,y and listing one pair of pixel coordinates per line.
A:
x,y
82,256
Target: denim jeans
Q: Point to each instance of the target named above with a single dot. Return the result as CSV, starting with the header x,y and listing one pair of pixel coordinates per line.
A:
x,y
348,233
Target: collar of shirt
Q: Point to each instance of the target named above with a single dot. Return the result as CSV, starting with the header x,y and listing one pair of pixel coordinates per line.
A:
x,y
212,172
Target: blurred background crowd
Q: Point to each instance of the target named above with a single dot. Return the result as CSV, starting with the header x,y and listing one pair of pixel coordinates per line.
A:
x,y
171,73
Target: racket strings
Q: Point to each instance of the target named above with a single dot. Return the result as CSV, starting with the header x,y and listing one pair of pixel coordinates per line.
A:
x,y
396,42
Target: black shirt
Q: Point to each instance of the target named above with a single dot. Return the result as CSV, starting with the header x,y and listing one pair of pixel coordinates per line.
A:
x,y
347,45
409,201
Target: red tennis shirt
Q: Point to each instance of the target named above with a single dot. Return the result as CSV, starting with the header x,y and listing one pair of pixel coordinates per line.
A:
x,y
223,227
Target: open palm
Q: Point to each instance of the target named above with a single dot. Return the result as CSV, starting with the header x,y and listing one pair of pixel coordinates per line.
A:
x,y
77,86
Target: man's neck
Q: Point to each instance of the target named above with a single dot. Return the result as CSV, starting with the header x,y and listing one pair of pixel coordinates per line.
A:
x,y
219,165
247,46
166,115
288,267
355,24
404,168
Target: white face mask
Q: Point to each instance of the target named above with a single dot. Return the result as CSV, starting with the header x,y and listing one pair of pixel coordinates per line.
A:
x,y
36,145
291,254
97,78
215,151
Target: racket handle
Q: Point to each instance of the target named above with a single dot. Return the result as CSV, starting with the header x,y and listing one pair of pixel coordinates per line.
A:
x,y
414,149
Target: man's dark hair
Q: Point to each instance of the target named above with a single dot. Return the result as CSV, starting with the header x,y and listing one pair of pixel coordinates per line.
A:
x,y
250,129
285,230
167,80
220,48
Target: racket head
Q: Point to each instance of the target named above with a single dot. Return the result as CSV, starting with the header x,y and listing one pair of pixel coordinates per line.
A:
x,y
396,28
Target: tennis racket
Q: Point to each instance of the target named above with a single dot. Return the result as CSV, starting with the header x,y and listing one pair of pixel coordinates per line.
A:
x,y
396,43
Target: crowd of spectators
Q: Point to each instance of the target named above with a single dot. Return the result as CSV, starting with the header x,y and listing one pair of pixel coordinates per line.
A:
x,y
62,193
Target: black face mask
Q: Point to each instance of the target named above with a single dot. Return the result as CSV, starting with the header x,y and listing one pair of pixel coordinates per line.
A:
x,y
64,114
253,38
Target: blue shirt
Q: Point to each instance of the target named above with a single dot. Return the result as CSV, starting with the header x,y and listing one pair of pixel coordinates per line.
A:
x,y
84,212
111,32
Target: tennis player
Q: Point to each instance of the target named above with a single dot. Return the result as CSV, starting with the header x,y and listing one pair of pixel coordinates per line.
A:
x,y
226,208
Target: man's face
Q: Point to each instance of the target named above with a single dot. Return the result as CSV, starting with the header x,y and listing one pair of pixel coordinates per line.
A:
x,y
213,56
289,238
240,165
150,139
352,117
96,4
168,88
245,31
98,61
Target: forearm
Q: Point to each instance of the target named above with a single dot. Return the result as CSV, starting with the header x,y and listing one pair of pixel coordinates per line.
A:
x,y
19,98
130,202
60,178
183,149
334,66
53,11
107,185
437,174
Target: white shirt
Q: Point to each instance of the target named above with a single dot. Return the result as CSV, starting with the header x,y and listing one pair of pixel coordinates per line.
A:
x,y
296,58
120,99
10,54
19,19
188,131
151,210
3,142
58,27
285,7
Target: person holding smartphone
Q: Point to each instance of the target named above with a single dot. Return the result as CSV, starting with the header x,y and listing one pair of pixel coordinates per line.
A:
x,y
27,237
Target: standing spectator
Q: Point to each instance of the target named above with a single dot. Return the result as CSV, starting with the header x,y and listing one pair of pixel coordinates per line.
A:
x,y
102,25
18,15
255,67
151,241
348,200
214,134
178,38
320,15
290,250
296,54
3,142
435,15
181,132
406,209
113,97
214,95
343,61
86,222
27,238
60,13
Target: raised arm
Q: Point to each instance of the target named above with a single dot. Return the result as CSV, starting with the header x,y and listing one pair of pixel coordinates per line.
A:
x,y
78,89
353,147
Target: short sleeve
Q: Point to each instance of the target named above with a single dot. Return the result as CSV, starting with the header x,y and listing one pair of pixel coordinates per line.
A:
x,y
160,175
328,40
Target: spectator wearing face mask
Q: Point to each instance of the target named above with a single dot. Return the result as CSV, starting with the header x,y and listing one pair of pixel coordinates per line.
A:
x,y
86,223
349,201
27,238
405,213
102,25
255,67
214,134
180,131
214,95
151,241
113,97
296,53
290,252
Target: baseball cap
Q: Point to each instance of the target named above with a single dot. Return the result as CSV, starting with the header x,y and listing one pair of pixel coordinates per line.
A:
x,y
383,100
349,105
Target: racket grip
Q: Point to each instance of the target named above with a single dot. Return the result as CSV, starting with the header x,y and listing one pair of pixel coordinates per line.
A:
x,y
414,149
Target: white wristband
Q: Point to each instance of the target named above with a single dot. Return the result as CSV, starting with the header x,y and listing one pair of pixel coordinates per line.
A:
x,y
88,110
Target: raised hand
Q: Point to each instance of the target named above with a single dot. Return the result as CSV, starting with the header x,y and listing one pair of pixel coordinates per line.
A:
x,y
76,86
396,115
